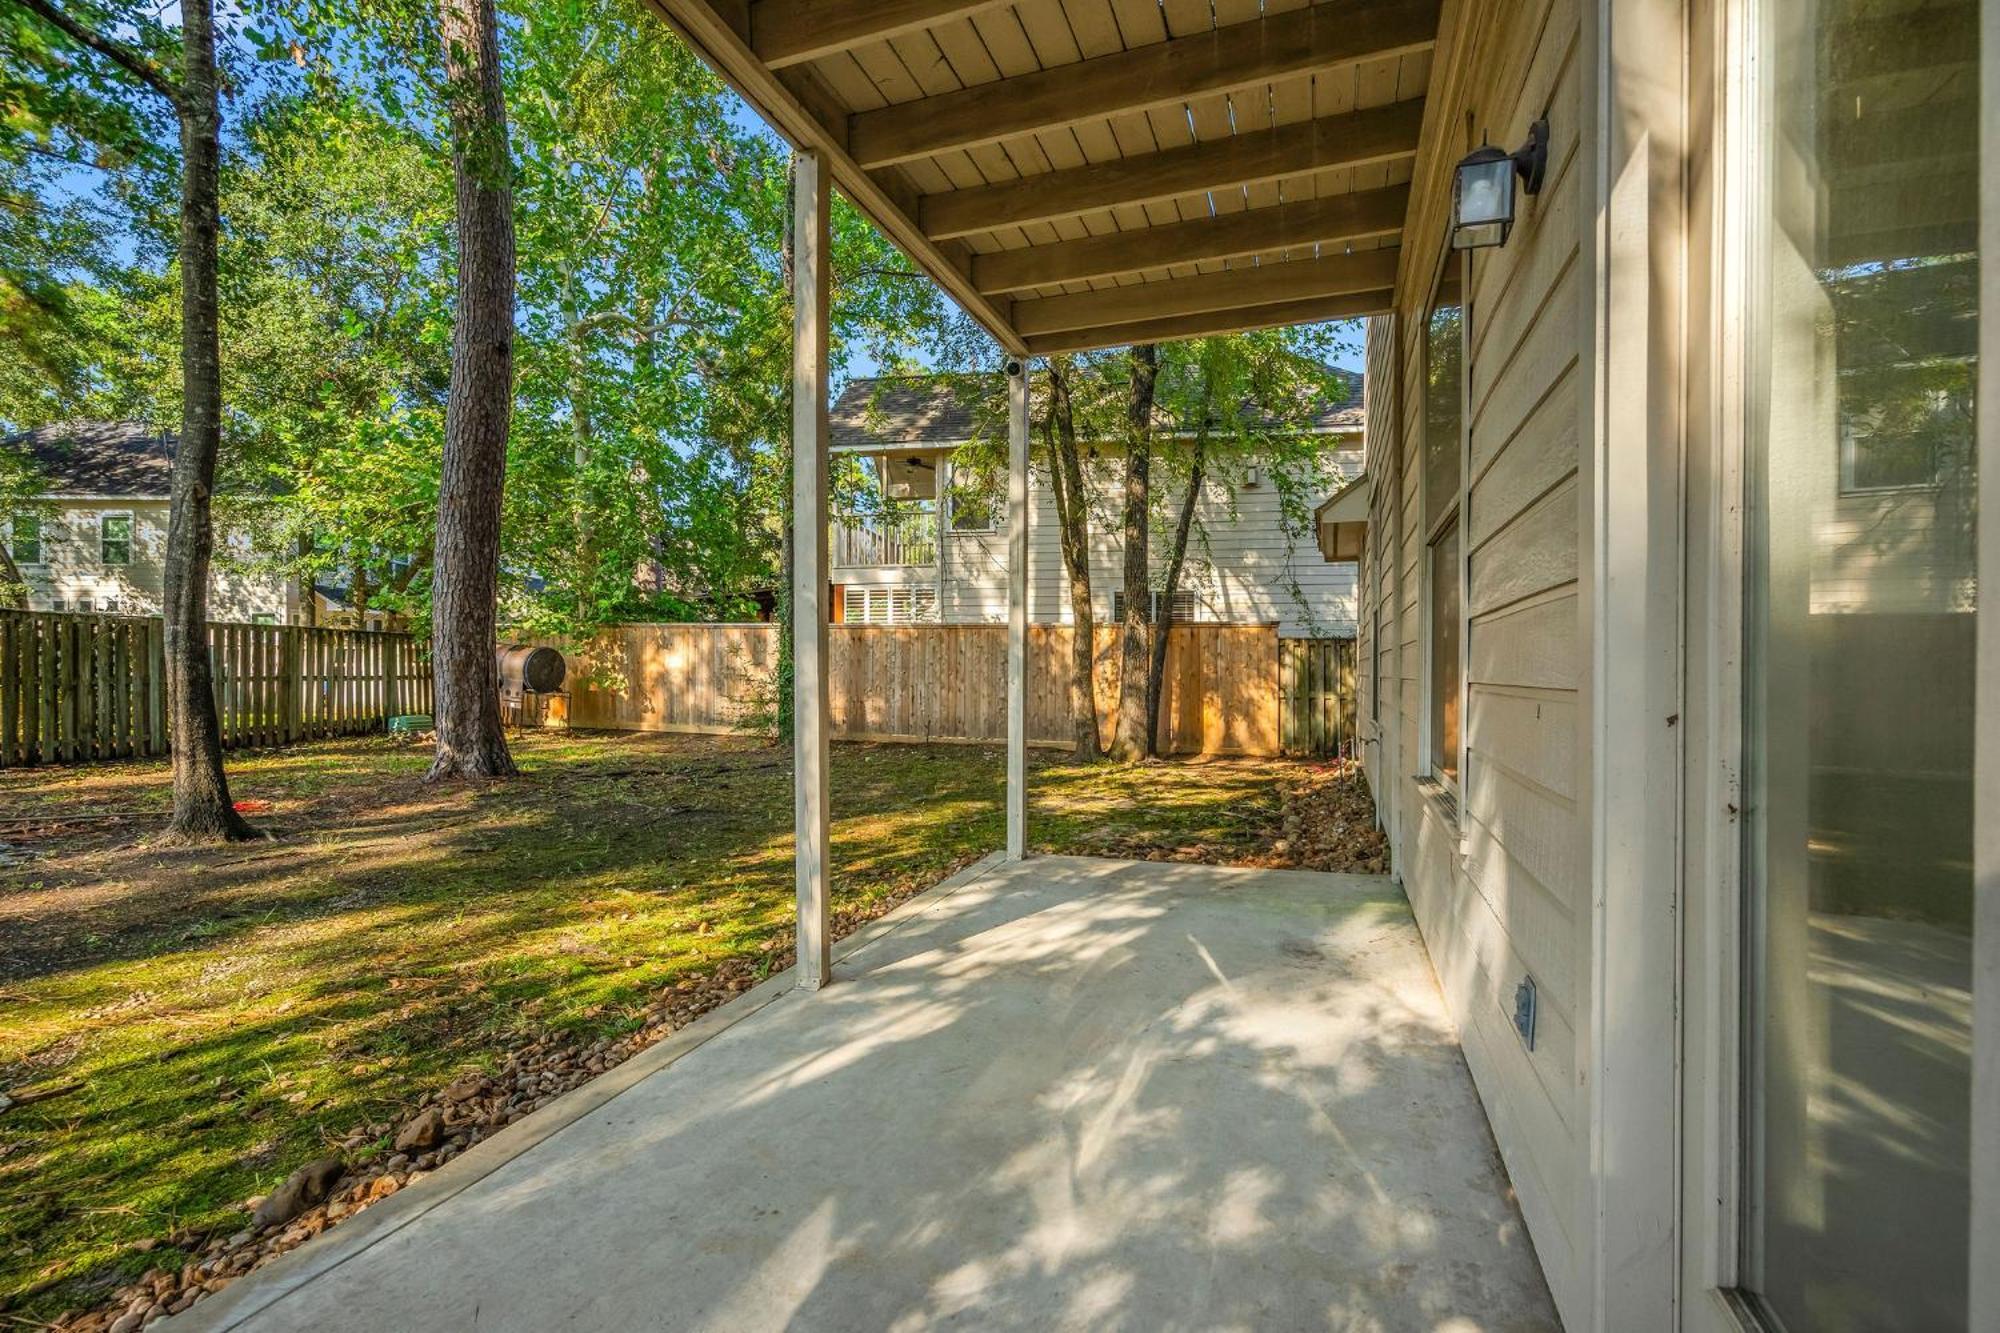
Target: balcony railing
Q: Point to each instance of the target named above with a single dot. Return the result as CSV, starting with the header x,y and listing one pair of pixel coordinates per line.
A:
x,y
904,538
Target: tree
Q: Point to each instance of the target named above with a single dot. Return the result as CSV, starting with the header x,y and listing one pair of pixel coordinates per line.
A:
x,y
203,810
1163,622
1129,737
1235,402
466,585
1072,505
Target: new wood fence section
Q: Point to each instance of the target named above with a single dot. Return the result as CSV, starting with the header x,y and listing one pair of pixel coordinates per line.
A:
x,y
949,683
83,687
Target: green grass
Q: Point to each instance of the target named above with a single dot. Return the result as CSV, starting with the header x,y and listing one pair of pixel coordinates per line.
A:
x,y
232,1012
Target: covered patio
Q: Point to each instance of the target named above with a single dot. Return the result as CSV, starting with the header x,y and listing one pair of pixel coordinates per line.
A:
x,y
1077,174
1065,1092
1050,1092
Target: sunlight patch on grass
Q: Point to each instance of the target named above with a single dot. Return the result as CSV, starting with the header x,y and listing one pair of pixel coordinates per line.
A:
x,y
230,1013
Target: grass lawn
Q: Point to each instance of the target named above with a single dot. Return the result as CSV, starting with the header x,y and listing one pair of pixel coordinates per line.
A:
x,y
227,1014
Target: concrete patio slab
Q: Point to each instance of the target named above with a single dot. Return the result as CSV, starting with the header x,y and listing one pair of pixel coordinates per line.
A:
x,y
1066,1093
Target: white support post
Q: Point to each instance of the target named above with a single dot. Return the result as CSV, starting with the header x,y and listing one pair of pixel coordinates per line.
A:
x,y
1017,610
809,566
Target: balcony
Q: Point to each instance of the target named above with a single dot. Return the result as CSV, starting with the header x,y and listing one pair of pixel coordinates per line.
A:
x,y
897,539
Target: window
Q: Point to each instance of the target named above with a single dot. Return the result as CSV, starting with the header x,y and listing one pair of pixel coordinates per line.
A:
x,y
58,604
865,604
1445,665
115,539
1443,444
109,606
270,618
1860,671
977,498
1187,606
25,539
84,606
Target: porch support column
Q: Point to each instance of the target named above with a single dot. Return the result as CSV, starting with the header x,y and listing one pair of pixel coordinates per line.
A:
x,y
1017,610
809,565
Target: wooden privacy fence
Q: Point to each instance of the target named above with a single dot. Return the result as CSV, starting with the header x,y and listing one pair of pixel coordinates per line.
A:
x,y
83,687
949,683
1315,695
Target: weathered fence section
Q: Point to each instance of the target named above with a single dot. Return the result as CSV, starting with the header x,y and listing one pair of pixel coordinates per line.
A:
x,y
83,687
927,683
1315,695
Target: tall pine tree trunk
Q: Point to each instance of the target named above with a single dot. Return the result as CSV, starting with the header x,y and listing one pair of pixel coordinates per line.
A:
x,y
465,584
1129,742
1073,522
1163,624
202,808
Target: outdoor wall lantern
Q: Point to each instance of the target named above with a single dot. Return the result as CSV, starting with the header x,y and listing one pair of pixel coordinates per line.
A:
x,y
1482,189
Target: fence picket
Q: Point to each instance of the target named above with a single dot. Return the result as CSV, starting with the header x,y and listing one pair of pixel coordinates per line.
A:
x,y
75,688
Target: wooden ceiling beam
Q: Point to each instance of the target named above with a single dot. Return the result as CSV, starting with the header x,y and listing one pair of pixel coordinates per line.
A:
x,y
1277,314
1233,289
1306,222
1235,56
791,32
1355,139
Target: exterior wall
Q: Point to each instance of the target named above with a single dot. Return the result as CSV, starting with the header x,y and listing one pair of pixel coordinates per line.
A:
x,y
72,566
1498,877
1245,573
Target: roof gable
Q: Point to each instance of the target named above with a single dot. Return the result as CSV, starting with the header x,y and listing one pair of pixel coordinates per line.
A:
x,y
123,458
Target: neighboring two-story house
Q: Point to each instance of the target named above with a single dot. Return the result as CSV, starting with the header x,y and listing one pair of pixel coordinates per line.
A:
x,y
936,550
96,540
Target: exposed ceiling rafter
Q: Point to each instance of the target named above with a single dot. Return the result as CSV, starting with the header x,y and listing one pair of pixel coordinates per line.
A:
x,y
791,32
1231,289
1365,215
1354,139
1159,74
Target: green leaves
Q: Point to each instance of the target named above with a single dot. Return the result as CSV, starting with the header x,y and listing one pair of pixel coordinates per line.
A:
x,y
648,468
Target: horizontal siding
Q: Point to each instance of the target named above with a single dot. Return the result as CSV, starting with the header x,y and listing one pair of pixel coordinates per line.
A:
x,y
1501,890
1242,564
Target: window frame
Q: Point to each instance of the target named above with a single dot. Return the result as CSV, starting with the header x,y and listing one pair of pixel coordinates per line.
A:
x,y
40,540
1451,784
104,539
950,526
1197,616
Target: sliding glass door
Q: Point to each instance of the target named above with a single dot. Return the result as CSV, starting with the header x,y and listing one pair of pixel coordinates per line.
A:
x,y
1861,606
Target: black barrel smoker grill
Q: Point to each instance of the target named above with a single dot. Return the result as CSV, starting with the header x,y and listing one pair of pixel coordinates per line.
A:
x,y
531,685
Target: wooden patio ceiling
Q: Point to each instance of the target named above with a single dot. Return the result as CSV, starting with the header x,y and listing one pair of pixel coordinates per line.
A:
x,y
1087,173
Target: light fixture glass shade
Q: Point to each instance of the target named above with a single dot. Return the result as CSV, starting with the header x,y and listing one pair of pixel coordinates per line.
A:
x,y
1482,200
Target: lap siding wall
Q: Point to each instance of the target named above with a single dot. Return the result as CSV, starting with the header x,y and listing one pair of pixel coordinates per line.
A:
x,y
1501,891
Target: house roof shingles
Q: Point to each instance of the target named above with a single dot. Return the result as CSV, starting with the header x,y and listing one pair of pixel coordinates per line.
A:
x,y
911,411
123,458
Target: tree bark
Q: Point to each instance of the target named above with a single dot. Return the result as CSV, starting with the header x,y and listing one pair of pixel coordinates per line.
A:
x,y
1163,624
13,587
203,811
1129,742
465,587
1073,523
